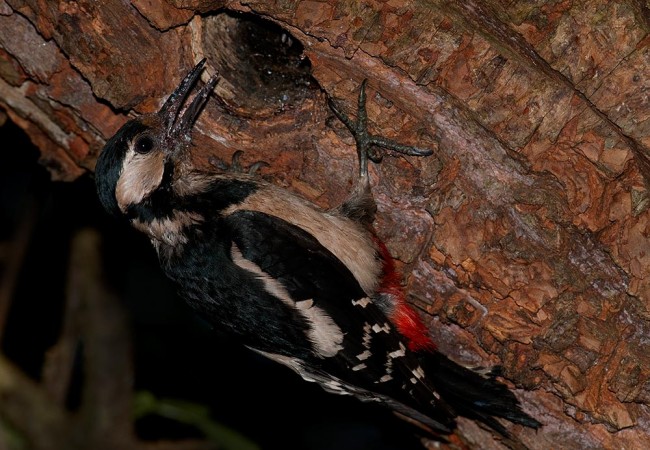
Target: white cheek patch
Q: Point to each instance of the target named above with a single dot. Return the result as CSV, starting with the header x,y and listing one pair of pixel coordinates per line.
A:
x,y
324,333
140,176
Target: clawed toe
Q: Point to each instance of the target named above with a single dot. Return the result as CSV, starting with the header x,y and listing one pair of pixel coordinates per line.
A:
x,y
367,144
235,165
257,166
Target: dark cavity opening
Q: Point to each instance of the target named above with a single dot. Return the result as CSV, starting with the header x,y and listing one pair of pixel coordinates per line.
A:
x,y
262,66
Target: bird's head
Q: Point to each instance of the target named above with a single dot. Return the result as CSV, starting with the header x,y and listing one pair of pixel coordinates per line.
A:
x,y
141,157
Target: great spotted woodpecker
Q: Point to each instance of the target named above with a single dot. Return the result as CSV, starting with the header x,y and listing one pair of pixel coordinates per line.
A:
x,y
314,290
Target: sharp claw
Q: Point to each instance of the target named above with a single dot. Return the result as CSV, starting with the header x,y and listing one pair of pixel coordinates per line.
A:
x,y
257,166
417,151
235,164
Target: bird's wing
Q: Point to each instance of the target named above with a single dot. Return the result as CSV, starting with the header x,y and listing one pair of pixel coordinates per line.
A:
x,y
353,342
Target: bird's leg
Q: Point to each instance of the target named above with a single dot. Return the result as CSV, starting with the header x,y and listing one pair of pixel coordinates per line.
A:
x,y
361,205
235,164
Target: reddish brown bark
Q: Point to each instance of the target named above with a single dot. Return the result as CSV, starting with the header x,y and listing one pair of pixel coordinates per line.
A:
x,y
524,238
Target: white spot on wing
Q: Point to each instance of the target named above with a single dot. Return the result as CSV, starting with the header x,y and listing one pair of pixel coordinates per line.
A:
x,y
418,372
363,302
363,356
359,367
389,365
377,328
367,337
397,354
385,378
326,336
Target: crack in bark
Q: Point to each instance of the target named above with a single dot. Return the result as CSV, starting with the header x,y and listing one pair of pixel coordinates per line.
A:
x,y
481,18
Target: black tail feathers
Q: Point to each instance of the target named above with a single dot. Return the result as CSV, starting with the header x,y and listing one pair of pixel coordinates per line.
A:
x,y
475,395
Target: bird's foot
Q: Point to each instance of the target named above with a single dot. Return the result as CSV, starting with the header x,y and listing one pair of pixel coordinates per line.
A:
x,y
368,144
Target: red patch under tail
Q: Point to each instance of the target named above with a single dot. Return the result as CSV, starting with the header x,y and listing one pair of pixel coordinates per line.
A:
x,y
406,320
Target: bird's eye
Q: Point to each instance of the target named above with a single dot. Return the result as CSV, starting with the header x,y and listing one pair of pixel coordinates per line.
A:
x,y
143,144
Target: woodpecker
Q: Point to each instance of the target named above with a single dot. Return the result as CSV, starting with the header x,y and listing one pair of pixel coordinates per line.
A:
x,y
313,289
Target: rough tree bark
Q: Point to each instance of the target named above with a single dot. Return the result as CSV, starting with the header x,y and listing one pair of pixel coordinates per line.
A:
x,y
523,240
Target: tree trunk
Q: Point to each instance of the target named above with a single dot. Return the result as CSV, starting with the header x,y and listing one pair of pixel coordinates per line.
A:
x,y
523,240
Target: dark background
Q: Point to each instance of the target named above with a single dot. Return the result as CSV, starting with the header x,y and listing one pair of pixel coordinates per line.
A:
x,y
176,354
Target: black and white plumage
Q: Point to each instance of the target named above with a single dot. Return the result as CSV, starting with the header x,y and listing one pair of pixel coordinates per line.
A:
x,y
312,289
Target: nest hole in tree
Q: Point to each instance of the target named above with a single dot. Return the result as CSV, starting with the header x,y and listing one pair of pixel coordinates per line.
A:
x,y
262,66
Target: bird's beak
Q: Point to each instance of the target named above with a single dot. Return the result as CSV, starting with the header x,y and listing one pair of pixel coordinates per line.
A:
x,y
179,125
